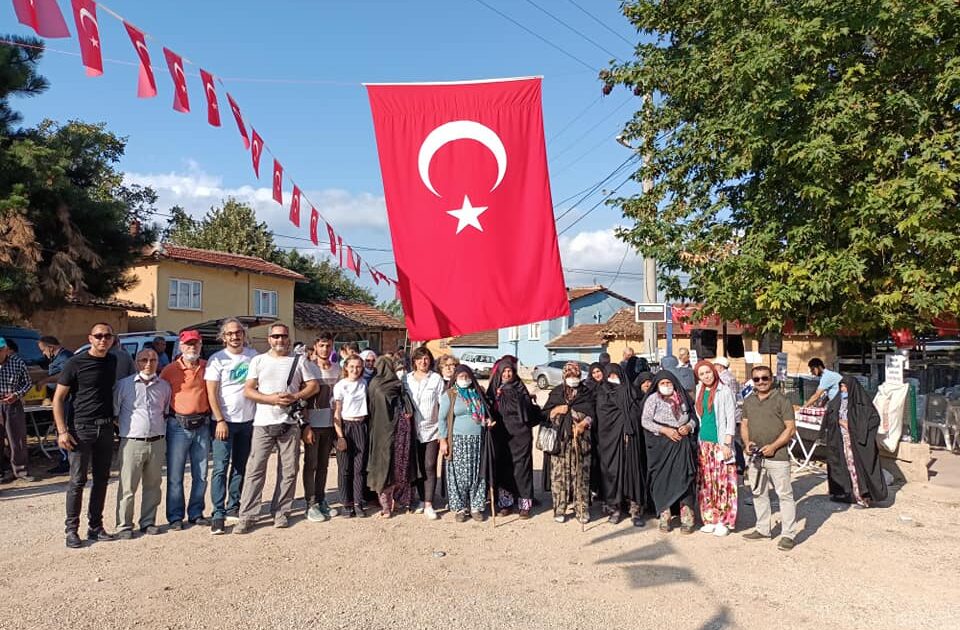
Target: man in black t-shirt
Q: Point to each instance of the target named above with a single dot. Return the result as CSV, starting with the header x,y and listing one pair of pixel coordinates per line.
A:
x,y
89,377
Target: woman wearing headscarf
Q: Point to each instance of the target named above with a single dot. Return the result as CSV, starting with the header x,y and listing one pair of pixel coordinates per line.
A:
x,y
571,408
670,422
515,415
425,387
392,460
717,471
849,429
594,379
464,420
619,447
643,384
369,364
594,376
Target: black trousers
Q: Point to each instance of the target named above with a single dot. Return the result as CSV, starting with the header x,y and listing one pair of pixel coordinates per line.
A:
x,y
94,448
352,463
428,454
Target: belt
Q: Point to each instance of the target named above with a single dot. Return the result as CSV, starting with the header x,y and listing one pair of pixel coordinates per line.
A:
x,y
359,419
147,439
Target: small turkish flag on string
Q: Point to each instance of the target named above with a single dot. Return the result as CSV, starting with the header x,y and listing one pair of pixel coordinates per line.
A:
x,y
43,16
351,263
181,101
314,219
88,33
295,209
464,168
277,182
240,126
213,109
374,274
333,239
146,85
256,149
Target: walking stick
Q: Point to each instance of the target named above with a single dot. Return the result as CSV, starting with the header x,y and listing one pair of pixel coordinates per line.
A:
x,y
579,475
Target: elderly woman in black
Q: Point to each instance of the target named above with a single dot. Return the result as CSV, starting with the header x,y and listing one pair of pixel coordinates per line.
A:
x,y
515,415
571,408
670,422
619,447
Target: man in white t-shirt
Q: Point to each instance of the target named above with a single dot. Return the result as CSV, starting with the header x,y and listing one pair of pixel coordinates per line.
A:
x,y
277,381
319,436
232,412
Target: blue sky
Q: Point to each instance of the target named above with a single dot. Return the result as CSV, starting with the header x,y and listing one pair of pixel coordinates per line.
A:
x,y
296,68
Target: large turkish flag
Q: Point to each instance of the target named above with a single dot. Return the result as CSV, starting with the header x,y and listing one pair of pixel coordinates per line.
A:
x,y
468,199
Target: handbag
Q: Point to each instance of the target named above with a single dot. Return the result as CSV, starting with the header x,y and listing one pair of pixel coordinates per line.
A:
x,y
548,438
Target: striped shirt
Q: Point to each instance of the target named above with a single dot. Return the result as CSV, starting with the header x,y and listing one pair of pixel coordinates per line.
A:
x,y
13,377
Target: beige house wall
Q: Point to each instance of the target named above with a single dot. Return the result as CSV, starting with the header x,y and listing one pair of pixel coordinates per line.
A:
x,y
71,324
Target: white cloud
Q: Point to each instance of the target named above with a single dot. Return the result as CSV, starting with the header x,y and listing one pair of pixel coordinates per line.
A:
x,y
598,255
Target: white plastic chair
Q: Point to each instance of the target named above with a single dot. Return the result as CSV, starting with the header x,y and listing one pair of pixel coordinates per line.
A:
x,y
936,419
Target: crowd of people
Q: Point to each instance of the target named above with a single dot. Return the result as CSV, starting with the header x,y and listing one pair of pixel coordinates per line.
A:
x,y
669,443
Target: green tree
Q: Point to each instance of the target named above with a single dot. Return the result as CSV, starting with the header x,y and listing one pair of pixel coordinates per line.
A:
x,y
803,155
392,307
233,227
68,225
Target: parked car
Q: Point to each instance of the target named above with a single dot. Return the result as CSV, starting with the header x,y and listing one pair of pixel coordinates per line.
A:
x,y
135,342
548,375
481,364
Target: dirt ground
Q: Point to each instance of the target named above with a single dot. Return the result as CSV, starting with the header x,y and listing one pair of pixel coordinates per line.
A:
x,y
891,567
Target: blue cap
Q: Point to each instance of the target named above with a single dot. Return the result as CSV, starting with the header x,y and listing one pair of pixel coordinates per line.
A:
x,y
3,343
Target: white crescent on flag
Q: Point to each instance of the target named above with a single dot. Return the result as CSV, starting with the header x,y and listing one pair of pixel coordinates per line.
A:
x,y
460,130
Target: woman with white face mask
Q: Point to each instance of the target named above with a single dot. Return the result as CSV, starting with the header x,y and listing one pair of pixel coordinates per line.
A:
x,y
670,421
464,418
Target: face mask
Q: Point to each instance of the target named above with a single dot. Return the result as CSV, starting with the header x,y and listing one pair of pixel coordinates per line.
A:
x,y
147,377
665,390
843,395
572,381
367,371
463,383
613,380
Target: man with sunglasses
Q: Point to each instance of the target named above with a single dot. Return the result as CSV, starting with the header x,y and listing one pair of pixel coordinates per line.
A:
x,y
88,377
276,382
768,424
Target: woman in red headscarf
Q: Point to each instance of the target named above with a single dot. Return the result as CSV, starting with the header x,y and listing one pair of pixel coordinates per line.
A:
x,y
717,472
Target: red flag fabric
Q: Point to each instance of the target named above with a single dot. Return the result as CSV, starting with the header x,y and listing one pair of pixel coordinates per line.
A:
x,y
352,264
88,33
43,16
181,101
256,148
314,219
295,209
213,108
333,239
374,274
464,168
146,85
277,182
240,126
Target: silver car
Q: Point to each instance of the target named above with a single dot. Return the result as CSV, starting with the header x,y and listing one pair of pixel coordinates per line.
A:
x,y
548,375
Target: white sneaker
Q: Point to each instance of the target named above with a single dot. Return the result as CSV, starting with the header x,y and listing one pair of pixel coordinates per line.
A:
x,y
560,519
708,529
430,513
419,509
232,520
720,530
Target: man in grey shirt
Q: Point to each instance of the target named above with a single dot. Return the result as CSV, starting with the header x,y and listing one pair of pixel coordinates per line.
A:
x,y
141,402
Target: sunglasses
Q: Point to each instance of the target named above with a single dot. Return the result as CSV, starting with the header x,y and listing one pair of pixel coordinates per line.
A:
x,y
279,336
102,336
233,333
761,379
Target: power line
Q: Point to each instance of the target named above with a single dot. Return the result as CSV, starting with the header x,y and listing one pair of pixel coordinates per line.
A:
x,y
570,28
576,142
597,20
620,268
538,36
596,186
573,120
596,205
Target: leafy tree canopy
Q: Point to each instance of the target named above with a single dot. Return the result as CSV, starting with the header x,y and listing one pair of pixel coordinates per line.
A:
x,y
803,155
69,227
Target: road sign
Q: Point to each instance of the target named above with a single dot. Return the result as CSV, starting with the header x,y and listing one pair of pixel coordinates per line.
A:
x,y
650,313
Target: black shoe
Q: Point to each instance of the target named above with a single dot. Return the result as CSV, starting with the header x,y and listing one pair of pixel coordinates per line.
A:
x,y
73,540
349,512
150,530
218,527
360,513
175,526
615,518
125,534
100,535
461,517
201,521
638,521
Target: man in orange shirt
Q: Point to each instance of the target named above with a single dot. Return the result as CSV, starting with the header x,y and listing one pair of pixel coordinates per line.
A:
x,y
188,432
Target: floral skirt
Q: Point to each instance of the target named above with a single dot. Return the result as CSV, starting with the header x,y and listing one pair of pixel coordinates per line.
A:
x,y
716,486
851,465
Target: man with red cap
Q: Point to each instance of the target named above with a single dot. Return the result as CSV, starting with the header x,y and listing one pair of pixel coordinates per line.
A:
x,y
188,432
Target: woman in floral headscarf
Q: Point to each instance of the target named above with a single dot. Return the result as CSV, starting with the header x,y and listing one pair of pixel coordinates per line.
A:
x,y
464,420
571,408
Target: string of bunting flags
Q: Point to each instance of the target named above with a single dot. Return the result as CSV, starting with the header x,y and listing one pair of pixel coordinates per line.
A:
x,y
46,19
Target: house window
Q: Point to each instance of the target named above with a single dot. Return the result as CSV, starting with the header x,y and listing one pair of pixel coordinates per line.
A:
x,y
513,333
185,294
533,332
264,303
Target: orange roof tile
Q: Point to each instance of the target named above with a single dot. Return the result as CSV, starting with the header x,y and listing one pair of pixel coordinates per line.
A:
x,y
487,338
223,259
580,336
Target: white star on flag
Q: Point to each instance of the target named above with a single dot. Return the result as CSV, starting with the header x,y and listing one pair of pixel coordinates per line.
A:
x,y
468,215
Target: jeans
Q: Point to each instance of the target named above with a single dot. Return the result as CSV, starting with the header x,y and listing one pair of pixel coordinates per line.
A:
x,y
428,454
181,443
94,446
316,459
14,422
230,453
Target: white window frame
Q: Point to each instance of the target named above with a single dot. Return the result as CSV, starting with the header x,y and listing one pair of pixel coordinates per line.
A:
x,y
258,296
513,333
175,303
531,335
